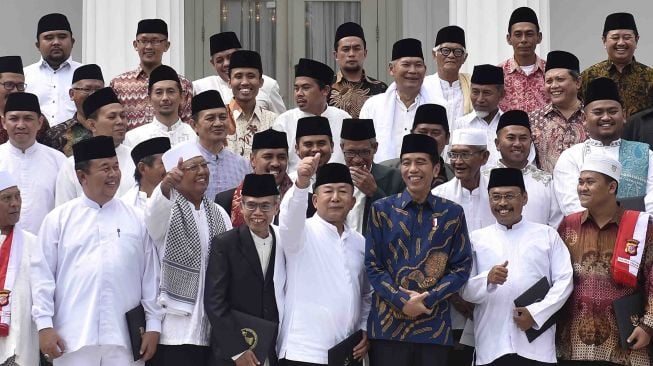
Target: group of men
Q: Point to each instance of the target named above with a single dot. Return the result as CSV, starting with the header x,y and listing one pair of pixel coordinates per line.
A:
x,y
404,220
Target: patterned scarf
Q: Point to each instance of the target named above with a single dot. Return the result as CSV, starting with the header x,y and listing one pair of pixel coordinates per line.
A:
x,y
182,259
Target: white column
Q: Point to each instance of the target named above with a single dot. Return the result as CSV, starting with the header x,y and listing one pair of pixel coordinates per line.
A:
x,y
486,25
109,28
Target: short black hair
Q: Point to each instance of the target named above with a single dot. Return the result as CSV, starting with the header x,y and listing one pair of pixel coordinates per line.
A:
x,y
149,161
149,87
84,166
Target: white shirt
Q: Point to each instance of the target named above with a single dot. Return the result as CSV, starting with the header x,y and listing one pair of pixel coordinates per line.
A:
x,y
542,206
268,96
264,249
92,265
178,329
135,198
567,170
68,186
328,295
355,216
177,133
287,122
35,170
452,93
533,251
51,87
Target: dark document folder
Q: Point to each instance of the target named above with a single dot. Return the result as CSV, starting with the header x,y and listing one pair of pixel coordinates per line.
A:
x,y
628,310
536,293
342,354
136,328
258,333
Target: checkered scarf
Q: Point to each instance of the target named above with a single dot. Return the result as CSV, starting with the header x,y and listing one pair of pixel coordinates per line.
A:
x,y
182,258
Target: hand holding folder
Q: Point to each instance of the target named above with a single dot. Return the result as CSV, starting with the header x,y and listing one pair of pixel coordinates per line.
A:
x,y
536,293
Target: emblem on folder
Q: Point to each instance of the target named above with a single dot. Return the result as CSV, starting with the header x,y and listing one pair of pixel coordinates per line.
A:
x,y
251,338
631,246
4,297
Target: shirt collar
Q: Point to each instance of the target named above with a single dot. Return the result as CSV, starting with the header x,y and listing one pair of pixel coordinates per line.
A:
x,y
45,65
597,143
529,168
92,204
340,78
406,199
516,226
513,66
237,112
610,66
163,127
29,151
345,233
616,218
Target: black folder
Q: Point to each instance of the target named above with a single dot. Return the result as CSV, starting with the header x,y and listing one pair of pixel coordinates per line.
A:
x,y
136,328
536,293
628,310
342,354
258,333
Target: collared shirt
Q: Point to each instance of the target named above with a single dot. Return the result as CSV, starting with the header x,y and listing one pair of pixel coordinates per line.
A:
x,y
351,95
635,83
226,170
525,92
263,249
287,122
51,87
553,133
35,170
475,203
327,291
68,186
63,136
260,120
178,132
135,197
356,215
106,254
131,88
533,251
268,96
404,117
420,247
41,134
567,170
588,326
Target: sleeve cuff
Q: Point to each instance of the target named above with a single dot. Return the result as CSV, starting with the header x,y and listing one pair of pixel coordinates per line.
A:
x,y
43,322
153,325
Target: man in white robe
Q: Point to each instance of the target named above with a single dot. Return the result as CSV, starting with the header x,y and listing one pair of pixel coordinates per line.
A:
x,y
604,119
222,46
510,257
513,141
328,295
393,112
149,172
22,156
312,86
164,91
183,221
94,262
18,337
106,117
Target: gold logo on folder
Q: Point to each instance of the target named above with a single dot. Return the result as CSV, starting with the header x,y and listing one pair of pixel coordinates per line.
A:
x,y
251,338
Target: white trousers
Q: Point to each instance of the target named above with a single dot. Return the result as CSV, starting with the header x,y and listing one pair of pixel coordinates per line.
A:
x,y
98,356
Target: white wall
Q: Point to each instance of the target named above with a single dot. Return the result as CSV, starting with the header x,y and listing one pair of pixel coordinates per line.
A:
x,y
421,20
19,21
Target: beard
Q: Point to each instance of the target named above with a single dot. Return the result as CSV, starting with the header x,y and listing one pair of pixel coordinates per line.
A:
x,y
481,114
351,68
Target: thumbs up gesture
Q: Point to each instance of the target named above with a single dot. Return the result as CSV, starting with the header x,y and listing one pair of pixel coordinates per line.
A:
x,y
498,274
306,168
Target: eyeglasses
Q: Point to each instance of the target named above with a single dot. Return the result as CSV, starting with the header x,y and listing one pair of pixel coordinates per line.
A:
x,y
497,197
463,155
353,153
196,167
10,85
252,206
457,52
153,42
87,90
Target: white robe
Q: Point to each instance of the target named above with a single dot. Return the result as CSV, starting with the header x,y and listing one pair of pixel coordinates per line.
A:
x,y
456,101
268,96
287,122
533,251
68,186
328,295
135,198
92,265
476,204
177,133
23,339
35,170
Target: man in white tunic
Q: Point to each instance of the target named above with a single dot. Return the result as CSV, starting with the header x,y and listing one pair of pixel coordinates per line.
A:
x,y
328,295
313,81
222,46
510,257
94,262
604,119
164,91
51,76
22,156
393,112
448,82
183,221
18,336
149,172
106,117
513,141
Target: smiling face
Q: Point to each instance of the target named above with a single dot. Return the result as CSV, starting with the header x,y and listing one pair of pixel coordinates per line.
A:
x,y
604,120
110,120
101,180
22,127
270,161
10,204
468,161
514,144
259,212
150,48
507,204
620,45
313,144
210,126
486,98
165,98
333,202
220,62
561,86
449,63
359,153
245,83
595,189
195,178
55,46
408,73
417,171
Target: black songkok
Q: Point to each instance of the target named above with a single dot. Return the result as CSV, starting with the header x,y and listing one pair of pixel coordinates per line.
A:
x,y
157,26
514,117
506,177
333,173
407,47
223,41
602,89
87,72
619,21
416,143
98,100
162,72
487,75
349,29
13,64
25,102
355,129
450,34
312,126
153,146
259,185
97,147
209,99
246,58
432,114
270,139
561,60
523,15
314,69
52,22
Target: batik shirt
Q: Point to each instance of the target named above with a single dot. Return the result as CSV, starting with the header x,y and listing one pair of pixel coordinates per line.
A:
x,y
525,92
351,95
63,136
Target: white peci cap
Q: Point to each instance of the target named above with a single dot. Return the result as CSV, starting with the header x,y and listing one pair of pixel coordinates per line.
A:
x,y
6,180
185,150
469,136
602,164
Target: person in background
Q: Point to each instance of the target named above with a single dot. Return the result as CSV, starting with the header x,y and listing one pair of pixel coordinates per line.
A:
x,y
149,172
